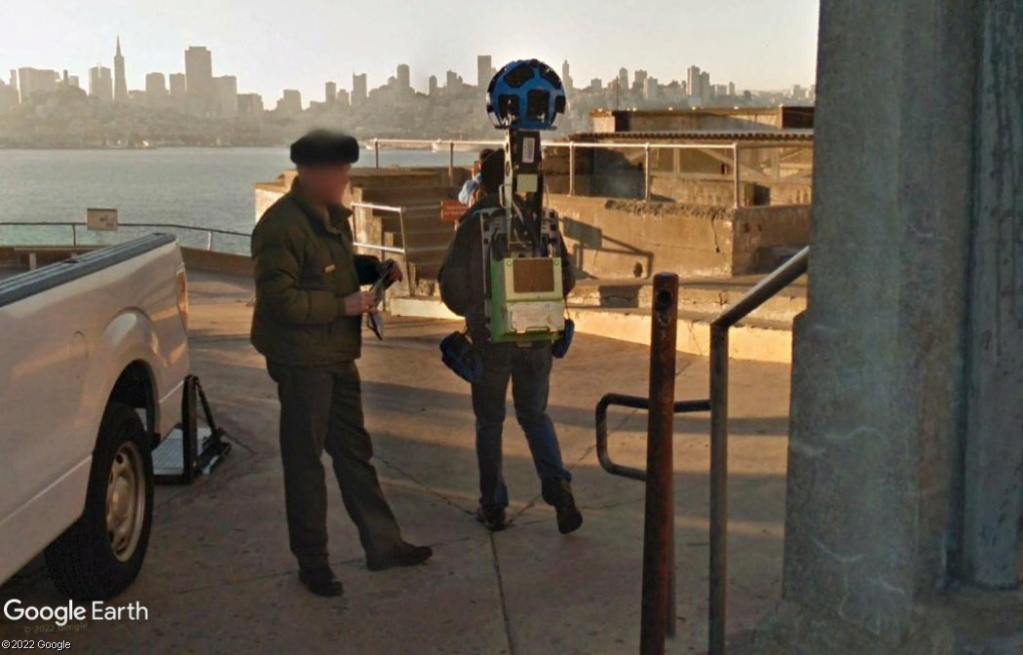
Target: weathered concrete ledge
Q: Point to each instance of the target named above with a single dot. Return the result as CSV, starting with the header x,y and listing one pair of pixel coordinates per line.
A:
x,y
625,238
760,341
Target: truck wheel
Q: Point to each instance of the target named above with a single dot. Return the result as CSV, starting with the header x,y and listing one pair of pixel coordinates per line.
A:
x,y
102,553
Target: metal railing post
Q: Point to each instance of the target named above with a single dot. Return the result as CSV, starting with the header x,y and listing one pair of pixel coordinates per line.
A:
x,y
74,235
738,182
209,241
659,520
376,152
451,162
767,288
404,247
718,488
571,169
646,172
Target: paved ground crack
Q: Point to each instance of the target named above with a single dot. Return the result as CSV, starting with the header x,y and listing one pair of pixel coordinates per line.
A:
x,y
423,486
500,591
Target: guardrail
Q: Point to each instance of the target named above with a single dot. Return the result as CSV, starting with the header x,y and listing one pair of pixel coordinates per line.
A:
x,y
385,249
360,209
658,600
209,232
735,148
766,289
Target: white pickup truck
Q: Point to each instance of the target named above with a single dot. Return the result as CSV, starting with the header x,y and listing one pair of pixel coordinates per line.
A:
x,y
92,366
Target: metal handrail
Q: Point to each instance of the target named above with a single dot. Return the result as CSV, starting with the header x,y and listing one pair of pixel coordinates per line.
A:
x,y
403,250
208,231
766,289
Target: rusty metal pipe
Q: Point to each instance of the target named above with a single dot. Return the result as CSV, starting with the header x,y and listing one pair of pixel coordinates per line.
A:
x,y
659,520
718,488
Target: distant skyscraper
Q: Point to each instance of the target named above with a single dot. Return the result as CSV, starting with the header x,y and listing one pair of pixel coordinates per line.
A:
x,y
250,104
693,81
640,83
330,93
566,76
226,88
156,88
651,89
453,81
74,82
484,66
706,90
343,99
101,84
433,85
623,79
120,83
290,102
178,85
8,97
360,90
596,85
404,78
199,79
35,81
731,89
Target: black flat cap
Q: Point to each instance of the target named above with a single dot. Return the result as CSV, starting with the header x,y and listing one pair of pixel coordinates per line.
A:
x,y
325,147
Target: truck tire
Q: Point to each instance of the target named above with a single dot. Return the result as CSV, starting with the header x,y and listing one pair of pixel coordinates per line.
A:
x,y
101,554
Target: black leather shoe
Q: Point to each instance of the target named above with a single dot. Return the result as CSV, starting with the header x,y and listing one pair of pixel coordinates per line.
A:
x,y
321,581
404,554
492,518
559,494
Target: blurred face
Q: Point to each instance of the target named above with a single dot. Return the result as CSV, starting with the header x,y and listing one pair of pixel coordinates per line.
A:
x,y
325,183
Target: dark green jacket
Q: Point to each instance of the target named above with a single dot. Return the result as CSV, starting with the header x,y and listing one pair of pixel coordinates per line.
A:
x,y
304,267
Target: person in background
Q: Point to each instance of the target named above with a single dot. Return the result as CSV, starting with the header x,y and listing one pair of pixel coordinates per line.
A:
x,y
469,190
526,365
307,323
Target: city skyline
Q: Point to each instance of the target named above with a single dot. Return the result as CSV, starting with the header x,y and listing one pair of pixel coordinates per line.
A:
x,y
212,94
758,45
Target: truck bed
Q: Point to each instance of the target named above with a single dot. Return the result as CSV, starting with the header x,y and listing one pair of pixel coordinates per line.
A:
x,y
22,285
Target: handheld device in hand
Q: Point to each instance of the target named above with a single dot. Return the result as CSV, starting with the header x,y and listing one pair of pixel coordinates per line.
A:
x,y
375,320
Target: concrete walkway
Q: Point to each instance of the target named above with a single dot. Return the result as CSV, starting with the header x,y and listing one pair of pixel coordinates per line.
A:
x,y
219,578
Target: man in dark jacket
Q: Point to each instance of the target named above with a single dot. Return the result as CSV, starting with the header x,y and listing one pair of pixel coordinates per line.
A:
x,y
307,323
526,365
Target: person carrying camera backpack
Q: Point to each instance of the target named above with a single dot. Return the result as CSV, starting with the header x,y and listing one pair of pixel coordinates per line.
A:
x,y
527,366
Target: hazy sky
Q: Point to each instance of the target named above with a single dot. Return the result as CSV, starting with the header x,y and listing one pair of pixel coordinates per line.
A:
x,y
271,45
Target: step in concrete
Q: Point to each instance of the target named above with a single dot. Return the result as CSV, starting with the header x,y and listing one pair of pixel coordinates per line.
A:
x,y
708,296
752,340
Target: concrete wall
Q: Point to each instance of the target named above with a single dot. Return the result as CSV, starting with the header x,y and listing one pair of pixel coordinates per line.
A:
x,y
687,176
703,119
755,229
906,448
623,239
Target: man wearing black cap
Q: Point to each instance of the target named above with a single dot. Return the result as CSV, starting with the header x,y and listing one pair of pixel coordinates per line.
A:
x,y
307,323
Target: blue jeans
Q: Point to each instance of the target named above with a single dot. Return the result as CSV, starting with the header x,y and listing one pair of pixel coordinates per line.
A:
x,y
529,370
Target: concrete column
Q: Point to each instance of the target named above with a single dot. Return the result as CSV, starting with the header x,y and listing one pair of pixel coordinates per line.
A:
x,y
994,437
905,451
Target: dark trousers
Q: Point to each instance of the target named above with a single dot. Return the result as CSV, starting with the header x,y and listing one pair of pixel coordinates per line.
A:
x,y
529,370
321,408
